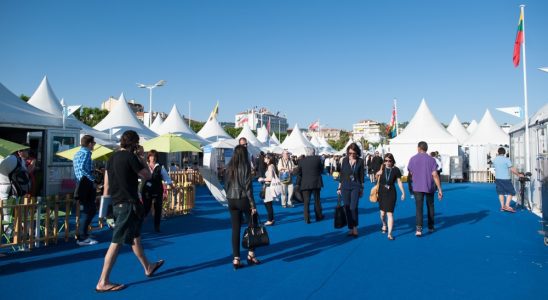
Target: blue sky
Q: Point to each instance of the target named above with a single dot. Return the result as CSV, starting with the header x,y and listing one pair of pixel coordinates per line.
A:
x,y
339,61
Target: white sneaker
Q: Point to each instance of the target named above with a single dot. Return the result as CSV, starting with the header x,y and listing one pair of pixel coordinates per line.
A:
x,y
87,242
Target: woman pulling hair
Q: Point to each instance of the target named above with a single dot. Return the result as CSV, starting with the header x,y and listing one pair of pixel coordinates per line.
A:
x,y
351,185
270,173
239,192
389,175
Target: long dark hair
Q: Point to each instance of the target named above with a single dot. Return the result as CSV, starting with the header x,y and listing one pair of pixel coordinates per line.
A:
x,y
239,161
272,161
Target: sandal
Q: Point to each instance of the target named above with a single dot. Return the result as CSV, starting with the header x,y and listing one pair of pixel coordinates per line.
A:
x,y
115,287
390,237
236,264
155,268
383,229
509,209
418,233
252,260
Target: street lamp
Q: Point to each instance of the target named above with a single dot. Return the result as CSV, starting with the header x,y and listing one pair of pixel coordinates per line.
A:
x,y
544,69
150,87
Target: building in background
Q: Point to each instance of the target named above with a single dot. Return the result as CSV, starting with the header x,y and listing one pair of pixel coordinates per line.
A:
x,y
111,102
331,133
257,117
367,129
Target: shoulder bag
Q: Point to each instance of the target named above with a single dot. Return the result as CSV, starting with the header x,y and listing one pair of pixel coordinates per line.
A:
x,y
340,214
255,235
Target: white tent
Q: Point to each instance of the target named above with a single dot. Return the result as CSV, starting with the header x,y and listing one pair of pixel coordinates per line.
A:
x,y
156,124
423,127
18,113
296,143
484,141
457,130
122,118
212,131
488,132
251,138
274,140
472,126
315,141
350,141
175,124
262,135
45,99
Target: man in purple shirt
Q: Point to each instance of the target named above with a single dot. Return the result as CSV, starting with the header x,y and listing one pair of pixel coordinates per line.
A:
x,y
424,168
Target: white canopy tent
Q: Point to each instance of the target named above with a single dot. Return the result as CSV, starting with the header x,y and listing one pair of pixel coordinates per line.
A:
x,y
175,124
251,138
457,130
212,131
296,143
122,118
484,141
274,140
423,127
262,135
315,141
45,99
472,126
350,141
156,124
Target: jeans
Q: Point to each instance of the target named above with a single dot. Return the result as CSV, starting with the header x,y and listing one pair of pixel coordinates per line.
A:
x,y
419,199
88,207
351,198
287,193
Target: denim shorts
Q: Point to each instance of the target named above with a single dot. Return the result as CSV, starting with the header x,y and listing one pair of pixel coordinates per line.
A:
x,y
504,187
128,225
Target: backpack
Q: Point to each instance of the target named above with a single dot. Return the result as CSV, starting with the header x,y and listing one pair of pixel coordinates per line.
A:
x,y
20,180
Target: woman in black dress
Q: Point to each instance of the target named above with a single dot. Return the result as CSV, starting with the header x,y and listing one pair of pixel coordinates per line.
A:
x,y
389,175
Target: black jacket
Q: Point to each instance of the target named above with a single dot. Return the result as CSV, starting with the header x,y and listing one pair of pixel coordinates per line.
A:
x,y
310,173
240,187
347,172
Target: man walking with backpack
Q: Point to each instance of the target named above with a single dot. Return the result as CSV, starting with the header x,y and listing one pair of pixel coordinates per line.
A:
x,y
85,188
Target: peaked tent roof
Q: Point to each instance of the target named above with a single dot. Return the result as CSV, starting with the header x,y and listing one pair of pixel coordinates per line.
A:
x,y
274,140
315,141
457,130
296,143
540,116
174,123
472,126
488,132
18,113
248,134
262,134
156,124
212,130
122,118
424,127
350,141
45,99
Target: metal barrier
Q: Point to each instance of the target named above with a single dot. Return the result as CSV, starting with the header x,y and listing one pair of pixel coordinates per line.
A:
x,y
481,176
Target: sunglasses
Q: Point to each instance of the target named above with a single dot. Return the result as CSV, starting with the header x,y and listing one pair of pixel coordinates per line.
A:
x,y
350,153
388,160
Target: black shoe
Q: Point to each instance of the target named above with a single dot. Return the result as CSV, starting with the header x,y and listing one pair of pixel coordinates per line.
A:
x,y
236,264
320,218
307,221
252,260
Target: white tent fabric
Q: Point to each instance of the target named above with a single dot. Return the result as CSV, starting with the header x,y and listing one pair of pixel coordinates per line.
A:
x,y
472,126
175,124
262,135
488,132
212,131
350,141
540,116
315,141
251,138
122,118
296,143
423,127
18,113
274,140
457,130
156,124
45,99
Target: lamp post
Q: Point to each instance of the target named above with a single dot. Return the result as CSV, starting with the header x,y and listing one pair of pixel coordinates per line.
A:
x,y
544,69
150,87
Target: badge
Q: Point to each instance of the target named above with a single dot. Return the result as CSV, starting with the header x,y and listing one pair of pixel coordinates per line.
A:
x,y
387,186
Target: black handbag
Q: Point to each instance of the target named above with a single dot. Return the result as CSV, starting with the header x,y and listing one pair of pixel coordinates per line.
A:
x,y
340,215
255,235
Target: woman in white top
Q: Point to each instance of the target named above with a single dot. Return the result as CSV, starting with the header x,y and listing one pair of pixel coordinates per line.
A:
x,y
270,173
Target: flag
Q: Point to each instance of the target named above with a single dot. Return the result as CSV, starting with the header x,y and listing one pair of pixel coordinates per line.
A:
x,y
391,128
519,40
214,112
268,125
314,126
242,120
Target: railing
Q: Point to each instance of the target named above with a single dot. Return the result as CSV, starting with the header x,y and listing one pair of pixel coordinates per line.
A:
x,y
35,221
481,176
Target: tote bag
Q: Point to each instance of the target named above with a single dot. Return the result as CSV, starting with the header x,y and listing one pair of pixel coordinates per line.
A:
x,y
340,215
255,235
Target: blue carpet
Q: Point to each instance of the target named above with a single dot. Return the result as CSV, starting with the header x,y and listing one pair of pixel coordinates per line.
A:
x,y
477,252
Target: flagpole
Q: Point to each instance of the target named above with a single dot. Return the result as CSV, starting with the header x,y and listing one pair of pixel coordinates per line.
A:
x,y
526,109
396,115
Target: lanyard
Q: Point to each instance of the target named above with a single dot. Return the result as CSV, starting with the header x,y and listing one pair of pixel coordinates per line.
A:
x,y
387,173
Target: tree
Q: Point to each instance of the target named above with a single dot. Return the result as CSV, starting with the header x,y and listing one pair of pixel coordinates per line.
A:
x,y
196,126
24,97
90,116
233,132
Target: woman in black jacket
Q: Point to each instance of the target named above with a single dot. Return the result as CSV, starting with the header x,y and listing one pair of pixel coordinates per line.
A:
x,y
351,185
153,189
239,193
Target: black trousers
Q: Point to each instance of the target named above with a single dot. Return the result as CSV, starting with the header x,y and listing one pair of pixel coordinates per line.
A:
x,y
317,204
236,207
88,207
269,210
419,200
157,200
